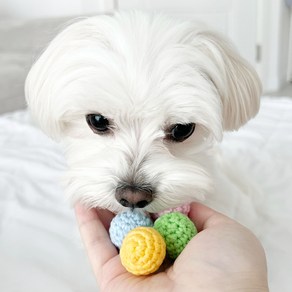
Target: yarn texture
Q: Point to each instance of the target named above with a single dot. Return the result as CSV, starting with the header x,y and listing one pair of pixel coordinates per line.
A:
x,y
143,251
184,209
124,222
177,230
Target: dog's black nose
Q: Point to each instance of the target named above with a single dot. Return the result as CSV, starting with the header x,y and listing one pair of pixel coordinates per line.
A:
x,y
134,196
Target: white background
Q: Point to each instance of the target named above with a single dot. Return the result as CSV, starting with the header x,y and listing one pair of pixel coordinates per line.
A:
x,y
259,28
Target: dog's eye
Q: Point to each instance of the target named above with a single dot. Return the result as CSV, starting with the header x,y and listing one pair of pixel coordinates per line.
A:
x,y
181,132
98,123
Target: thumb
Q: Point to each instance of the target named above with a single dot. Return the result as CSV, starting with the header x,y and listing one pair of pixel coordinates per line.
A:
x,y
205,217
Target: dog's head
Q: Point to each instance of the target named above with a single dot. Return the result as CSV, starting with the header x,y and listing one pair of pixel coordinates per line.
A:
x,y
138,101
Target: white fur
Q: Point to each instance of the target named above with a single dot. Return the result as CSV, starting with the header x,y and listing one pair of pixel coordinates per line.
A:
x,y
144,72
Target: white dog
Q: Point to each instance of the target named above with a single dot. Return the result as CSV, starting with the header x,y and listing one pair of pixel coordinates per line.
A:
x,y
139,101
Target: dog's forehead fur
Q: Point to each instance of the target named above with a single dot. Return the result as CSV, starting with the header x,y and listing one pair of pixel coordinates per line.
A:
x,y
120,67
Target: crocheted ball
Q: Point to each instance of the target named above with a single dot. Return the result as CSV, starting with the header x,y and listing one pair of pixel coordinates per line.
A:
x,y
177,230
143,251
125,222
184,209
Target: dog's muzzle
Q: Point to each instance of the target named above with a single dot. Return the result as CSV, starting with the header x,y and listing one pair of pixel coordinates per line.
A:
x,y
133,196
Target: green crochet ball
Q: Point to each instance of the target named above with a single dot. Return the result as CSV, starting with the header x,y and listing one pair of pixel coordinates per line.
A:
x,y
177,230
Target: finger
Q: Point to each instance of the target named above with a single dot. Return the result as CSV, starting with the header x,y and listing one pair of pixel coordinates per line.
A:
x,y
95,237
204,217
105,217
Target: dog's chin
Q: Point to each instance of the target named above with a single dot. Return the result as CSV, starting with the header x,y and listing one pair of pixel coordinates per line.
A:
x,y
153,208
152,211
115,207
160,202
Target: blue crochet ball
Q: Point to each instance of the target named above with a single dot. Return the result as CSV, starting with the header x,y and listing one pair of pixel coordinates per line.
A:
x,y
124,222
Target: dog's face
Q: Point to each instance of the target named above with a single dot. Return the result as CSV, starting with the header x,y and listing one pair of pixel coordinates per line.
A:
x,y
138,102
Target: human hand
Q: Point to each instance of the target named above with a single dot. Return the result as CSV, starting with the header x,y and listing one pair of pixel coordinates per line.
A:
x,y
223,256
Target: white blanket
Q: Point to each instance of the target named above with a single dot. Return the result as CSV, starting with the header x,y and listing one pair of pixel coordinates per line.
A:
x,y
40,248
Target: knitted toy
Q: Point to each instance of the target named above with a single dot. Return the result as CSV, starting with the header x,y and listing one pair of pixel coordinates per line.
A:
x,y
124,222
143,249
177,230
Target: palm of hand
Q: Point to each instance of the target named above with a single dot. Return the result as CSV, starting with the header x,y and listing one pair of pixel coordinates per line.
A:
x,y
224,256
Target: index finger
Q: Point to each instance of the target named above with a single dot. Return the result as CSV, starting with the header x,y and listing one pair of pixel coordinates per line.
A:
x,y
95,237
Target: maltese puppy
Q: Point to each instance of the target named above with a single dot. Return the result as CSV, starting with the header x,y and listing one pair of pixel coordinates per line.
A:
x,y
139,102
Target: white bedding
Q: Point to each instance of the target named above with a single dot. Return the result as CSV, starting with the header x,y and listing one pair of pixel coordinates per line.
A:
x,y
40,248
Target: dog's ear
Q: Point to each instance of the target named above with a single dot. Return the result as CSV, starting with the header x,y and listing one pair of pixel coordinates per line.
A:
x,y
49,89
40,91
235,80
47,86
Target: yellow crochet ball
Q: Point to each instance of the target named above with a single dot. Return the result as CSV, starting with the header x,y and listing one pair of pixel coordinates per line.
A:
x,y
143,251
